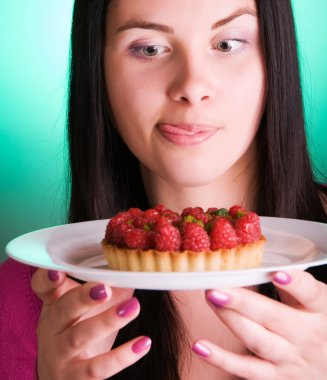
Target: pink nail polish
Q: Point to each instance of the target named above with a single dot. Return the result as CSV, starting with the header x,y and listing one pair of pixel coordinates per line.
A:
x,y
201,350
98,292
141,345
282,278
127,308
218,299
53,275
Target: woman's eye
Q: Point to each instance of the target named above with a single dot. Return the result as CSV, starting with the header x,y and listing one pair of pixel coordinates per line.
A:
x,y
227,46
149,51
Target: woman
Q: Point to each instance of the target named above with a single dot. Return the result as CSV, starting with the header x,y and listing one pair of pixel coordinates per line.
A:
x,y
185,103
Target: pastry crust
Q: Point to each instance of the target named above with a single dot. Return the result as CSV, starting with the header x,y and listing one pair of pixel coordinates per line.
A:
x,y
136,260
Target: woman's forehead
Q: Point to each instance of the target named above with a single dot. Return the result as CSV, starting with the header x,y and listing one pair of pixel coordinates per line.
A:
x,y
130,7
190,13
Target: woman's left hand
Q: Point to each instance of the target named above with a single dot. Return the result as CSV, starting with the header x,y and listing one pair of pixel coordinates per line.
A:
x,y
288,339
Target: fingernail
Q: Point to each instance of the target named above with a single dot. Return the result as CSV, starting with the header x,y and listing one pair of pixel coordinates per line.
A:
x,y
218,299
98,292
141,345
282,278
201,350
53,275
127,308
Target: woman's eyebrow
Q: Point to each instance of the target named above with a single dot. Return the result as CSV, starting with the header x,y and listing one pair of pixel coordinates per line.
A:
x,y
140,24
238,13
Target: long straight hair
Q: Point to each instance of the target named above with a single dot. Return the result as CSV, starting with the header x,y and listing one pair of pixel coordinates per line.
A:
x,y
105,176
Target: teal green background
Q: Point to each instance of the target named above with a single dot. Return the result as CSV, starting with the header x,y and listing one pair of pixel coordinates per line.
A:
x,y
34,48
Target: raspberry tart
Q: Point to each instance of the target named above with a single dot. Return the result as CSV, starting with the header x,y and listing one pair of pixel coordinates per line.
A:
x,y
161,240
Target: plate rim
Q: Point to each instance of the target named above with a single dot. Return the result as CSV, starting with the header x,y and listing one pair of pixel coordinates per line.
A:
x,y
77,271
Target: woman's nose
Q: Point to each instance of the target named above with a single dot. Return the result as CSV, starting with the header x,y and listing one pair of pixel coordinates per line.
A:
x,y
191,83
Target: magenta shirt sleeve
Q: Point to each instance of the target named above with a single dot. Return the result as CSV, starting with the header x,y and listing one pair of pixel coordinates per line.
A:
x,y
19,314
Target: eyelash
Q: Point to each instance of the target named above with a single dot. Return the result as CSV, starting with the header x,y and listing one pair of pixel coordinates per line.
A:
x,y
229,40
136,51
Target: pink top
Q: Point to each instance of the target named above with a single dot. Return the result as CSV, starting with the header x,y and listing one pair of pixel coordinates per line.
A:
x,y
19,314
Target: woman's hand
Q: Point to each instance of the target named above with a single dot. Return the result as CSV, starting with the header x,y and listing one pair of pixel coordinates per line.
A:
x,y
78,319
287,340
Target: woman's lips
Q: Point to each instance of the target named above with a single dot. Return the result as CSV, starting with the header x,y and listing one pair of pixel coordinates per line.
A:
x,y
187,134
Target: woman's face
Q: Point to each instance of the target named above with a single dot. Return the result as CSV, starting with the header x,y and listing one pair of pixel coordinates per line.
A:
x,y
186,84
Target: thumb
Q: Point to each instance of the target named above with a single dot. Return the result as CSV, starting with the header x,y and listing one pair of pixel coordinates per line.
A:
x,y
50,285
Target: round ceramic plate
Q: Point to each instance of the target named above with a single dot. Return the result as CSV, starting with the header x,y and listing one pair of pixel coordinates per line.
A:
x,y
76,249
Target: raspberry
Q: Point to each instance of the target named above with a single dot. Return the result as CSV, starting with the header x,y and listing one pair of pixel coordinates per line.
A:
x,y
113,223
160,208
134,212
161,221
145,219
237,211
194,211
138,238
166,236
186,211
165,230
119,233
151,214
222,234
174,217
202,218
182,226
195,238
197,213
143,222
192,219
140,222
247,228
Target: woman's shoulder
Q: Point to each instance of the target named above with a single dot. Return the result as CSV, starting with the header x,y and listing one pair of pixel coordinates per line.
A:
x,y
15,286
19,314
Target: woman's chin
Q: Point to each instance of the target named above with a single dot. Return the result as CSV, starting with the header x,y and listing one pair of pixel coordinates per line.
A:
x,y
179,174
183,180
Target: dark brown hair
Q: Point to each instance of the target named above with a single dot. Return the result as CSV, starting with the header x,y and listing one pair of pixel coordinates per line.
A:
x,y
105,176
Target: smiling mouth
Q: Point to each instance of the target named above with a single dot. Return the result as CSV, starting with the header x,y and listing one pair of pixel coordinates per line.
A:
x,y
187,134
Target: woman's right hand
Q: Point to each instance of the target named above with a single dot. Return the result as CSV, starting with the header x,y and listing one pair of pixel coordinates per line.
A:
x,y
78,326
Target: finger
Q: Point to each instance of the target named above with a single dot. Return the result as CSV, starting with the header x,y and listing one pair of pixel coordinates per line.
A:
x,y
301,286
269,313
243,366
87,333
256,338
75,303
50,285
107,365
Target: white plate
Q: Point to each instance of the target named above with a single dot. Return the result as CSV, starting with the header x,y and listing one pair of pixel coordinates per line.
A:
x,y
75,249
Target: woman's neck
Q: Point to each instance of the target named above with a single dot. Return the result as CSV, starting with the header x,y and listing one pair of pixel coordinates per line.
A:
x,y
237,186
